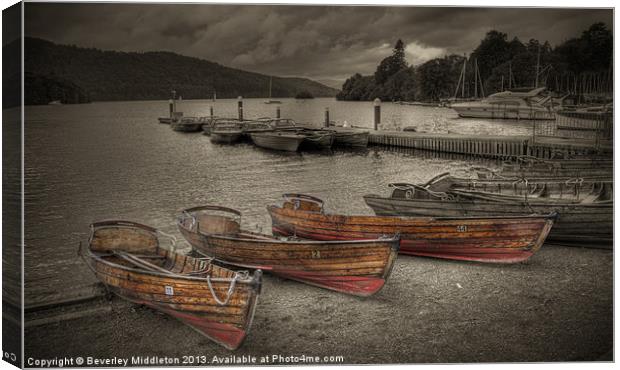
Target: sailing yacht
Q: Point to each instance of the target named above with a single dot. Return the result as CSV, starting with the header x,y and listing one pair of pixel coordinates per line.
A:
x,y
530,104
270,101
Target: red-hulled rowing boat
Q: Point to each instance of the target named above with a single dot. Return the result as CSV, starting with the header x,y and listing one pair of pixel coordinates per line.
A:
x,y
483,239
359,267
217,302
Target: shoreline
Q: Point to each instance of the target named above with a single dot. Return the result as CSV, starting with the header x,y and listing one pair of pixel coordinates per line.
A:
x,y
557,306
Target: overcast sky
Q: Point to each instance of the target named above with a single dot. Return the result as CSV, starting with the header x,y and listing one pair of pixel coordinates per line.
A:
x,y
325,43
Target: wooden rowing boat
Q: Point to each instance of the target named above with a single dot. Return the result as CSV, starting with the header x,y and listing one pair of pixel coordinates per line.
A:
x,y
354,267
506,173
128,258
528,167
584,222
482,239
549,187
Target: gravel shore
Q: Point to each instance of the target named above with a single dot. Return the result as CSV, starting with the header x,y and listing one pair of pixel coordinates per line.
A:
x,y
558,306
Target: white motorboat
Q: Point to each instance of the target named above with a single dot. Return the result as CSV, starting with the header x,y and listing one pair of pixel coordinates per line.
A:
x,y
509,105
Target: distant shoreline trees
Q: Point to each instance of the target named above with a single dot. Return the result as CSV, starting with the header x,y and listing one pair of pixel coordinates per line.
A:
x,y
501,64
74,74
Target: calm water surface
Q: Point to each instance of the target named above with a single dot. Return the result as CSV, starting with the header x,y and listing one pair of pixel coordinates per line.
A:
x,y
114,161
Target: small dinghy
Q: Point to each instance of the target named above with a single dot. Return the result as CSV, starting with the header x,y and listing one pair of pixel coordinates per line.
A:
x,y
354,267
127,257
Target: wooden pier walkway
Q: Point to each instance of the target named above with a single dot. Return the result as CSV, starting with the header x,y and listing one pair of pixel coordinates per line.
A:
x,y
487,146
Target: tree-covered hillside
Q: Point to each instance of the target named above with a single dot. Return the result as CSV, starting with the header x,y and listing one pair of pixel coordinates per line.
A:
x,y
578,65
74,74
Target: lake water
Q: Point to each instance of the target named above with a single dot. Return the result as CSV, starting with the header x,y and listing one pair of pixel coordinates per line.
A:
x,y
97,161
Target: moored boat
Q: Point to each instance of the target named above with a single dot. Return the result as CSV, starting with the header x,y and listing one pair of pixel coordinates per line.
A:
x,y
509,105
278,140
226,132
482,239
187,124
217,302
166,120
549,187
345,136
584,222
316,139
510,172
353,267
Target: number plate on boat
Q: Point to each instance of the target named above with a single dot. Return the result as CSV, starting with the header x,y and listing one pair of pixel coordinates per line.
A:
x,y
169,290
461,228
316,254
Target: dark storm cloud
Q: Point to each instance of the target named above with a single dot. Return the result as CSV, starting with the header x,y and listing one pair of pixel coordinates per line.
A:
x,y
320,42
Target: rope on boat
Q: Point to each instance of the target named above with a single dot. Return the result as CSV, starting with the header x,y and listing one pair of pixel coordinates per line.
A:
x,y
187,215
437,194
231,287
172,238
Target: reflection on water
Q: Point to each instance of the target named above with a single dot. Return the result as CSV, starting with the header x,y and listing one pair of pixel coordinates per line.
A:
x,y
113,160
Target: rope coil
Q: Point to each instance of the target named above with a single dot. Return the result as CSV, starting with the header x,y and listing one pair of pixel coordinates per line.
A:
x,y
231,287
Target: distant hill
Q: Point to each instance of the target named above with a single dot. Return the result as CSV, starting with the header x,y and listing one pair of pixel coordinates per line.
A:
x,y
73,74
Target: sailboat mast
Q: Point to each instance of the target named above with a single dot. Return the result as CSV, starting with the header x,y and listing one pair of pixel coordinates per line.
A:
x,y
270,80
464,72
476,78
537,65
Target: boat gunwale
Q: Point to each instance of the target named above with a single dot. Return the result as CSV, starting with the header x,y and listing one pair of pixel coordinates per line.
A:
x,y
89,253
551,215
392,240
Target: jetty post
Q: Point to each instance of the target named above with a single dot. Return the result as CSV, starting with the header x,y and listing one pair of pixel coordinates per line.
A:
x,y
278,112
326,117
211,111
240,107
171,107
377,104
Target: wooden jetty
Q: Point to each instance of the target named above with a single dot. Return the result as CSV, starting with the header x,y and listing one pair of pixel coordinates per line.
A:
x,y
487,146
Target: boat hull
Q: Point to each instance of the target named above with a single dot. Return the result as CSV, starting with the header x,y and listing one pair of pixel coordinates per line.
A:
x,y
319,141
482,239
358,268
269,140
578,224
551,188
225,137
185,297
508,113
166,120
186,127
353,139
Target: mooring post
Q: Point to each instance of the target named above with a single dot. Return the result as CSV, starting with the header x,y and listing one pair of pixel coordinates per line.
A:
x,y
326,116
277,112
211,111
377,104
240,107
171,107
